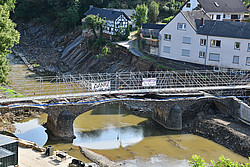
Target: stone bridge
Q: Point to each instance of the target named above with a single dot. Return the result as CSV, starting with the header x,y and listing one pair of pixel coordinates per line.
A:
x,y
169,113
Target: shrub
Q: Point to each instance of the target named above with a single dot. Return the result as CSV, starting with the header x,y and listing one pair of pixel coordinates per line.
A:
x,y
167,20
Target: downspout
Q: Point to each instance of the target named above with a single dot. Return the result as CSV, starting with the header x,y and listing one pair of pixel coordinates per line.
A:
x,y
205,63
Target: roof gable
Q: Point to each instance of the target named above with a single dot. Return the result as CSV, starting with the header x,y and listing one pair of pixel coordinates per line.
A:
x,y
109,14
223,6
191,16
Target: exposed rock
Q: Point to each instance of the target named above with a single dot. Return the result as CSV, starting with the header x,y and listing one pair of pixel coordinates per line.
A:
x,y
102,161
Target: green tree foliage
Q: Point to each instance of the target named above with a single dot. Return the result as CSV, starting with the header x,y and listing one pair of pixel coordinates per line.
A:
x,y
8,37
167,20
246,2
94,22
153,11
141,15
171,8
197,161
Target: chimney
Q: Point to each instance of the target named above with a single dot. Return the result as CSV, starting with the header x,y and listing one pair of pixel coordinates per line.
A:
x,y
202,22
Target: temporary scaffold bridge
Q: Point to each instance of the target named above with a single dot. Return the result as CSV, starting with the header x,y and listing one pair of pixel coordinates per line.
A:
x,y
216,82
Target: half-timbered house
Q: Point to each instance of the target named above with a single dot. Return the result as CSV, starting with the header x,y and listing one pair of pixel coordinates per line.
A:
x,y
115,20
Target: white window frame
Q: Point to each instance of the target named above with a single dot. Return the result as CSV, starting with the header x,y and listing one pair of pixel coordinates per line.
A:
x,y
187,40
235,44
181,26
184,51
236,59
213,58
202,54
203,42
214,43
166,47
248,48
167,37
248,61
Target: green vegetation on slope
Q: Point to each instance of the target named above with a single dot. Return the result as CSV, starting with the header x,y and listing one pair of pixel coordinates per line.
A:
x,y
8,37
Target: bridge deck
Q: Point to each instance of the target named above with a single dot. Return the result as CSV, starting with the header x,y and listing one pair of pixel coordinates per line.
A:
x,y
191,89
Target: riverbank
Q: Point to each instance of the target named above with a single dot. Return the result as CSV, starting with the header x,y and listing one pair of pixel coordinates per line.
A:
x,y
223,130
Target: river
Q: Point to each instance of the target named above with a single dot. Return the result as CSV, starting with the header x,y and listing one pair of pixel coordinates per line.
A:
x,y
115,132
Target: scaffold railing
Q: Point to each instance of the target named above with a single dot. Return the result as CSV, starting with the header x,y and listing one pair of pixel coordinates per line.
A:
x,y
148,80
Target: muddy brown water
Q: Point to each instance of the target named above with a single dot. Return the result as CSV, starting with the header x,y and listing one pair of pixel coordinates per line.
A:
x,y
122,136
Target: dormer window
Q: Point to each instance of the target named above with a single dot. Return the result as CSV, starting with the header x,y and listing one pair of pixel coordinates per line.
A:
x,y
188,5
216,4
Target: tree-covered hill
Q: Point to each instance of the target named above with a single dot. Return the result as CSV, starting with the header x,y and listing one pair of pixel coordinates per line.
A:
x,y
66,14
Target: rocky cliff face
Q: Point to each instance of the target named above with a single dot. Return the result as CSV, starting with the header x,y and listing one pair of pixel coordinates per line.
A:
x,y
58,53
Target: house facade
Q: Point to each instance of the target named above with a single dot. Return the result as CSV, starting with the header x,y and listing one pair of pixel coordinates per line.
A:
x,y
150,37
193,37
223,10
115,20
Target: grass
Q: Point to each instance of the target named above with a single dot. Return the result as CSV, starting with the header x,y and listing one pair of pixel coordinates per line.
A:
x,y
9,93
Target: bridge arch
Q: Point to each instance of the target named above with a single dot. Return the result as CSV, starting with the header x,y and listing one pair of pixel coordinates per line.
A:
x,y
169,113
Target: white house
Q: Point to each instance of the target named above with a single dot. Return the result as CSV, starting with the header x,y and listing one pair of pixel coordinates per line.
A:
x,y
115,20
193,37
227,10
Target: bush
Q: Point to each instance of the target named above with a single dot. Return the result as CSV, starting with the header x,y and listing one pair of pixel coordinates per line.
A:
x,y
167,20
197,161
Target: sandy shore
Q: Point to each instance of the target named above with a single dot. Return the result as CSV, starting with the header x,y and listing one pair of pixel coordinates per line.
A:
x,y
30,158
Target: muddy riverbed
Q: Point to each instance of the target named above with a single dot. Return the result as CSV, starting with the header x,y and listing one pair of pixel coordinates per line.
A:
x,y
123,137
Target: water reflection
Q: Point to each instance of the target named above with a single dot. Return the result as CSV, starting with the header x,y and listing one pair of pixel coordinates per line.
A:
x,y
111,138
31,131
157,160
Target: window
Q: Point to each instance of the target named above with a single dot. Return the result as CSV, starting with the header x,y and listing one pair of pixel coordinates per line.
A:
x,y
248,61
224,16
214,57
212,17
217,17
237,45
185,52
202,54
236,59
203,42
248,49
166,49
181,26
188,5
167,37
215,43
235,17
186,40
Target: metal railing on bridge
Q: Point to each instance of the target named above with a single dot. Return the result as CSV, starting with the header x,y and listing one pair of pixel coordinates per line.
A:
x,y
131,82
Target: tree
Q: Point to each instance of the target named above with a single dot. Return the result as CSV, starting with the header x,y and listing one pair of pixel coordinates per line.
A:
x,y
141,15
153,11
8,37
197,161
246,2
94,22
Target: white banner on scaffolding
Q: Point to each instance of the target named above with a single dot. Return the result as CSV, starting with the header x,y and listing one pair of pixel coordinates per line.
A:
x,y
100,86
149,82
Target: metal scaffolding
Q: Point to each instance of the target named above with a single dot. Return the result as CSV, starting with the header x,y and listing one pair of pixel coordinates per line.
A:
x,y
214,82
